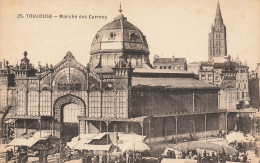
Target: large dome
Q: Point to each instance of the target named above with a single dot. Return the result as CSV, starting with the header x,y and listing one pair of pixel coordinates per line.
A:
x,y
116,39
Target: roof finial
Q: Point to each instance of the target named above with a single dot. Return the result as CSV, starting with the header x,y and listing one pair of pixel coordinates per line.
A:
x,y
25,54
218,12
120,8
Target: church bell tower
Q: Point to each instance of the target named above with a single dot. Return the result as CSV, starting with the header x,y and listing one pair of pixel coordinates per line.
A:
x,y
217,39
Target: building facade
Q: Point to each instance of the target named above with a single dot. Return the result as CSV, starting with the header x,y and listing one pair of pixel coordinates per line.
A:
x,y
118,91
213,73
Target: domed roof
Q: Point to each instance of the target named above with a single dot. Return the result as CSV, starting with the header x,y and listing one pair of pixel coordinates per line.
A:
x,y
117,36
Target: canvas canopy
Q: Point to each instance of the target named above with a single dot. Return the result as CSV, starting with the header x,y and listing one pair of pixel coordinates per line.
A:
x,y
131,146
168,160
29,141
81,141
235,136
131,137
188,146
92,147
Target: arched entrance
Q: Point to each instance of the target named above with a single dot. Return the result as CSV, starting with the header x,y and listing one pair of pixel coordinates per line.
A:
x,y
66,110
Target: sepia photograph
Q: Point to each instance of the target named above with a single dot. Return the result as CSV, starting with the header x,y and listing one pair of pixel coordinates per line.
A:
x,y
129,81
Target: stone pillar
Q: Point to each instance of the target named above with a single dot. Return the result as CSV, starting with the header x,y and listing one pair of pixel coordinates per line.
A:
x,y
40,127
205,127
39,99
127,128
165,129
222,121
150,137
79,126
25,125
107,123
193,101
142,126
100,126
226,122
86,127
176,128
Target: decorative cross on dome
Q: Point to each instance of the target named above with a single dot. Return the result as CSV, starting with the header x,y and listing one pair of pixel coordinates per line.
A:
x,y
120,8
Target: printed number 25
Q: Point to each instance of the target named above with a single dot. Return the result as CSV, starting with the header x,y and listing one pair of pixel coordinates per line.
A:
x,y
19,16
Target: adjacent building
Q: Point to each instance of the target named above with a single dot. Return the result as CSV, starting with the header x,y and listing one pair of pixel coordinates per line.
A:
x,y
213,73
170,63
194,67
254,88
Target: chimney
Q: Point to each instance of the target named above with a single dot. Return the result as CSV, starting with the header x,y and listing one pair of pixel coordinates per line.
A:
x,y
39,65
245,62
173,58
155,57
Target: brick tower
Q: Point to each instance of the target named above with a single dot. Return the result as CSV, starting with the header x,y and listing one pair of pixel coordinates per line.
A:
x,y
217,39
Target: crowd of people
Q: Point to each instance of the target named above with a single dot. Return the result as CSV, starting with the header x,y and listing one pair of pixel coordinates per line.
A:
x,y
20,154
207,156
9,154
193,155
108,157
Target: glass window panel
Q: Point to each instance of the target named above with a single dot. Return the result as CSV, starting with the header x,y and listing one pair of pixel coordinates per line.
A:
x,y
94,104
69,79
33,103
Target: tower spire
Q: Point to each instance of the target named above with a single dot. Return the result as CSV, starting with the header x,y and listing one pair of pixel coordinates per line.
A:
x,y
218,12
120,7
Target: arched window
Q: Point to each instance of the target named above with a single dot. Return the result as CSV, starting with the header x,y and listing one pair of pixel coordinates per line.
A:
x,y
97,36
133,37
112,36
69,79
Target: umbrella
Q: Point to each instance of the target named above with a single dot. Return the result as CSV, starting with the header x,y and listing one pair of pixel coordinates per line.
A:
x,y
235,136
131,137
229,150
188,146
138,147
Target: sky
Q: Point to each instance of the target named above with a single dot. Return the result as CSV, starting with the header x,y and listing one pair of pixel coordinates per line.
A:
x,y
178,27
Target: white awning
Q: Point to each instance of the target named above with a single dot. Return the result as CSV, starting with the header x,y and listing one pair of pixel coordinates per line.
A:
x,y
170,160
235,136
139,147
28,142
92,147
83,139
131,137
23,142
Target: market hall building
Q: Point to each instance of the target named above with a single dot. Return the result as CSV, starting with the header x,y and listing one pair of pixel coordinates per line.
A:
x,y
118,91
